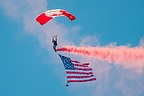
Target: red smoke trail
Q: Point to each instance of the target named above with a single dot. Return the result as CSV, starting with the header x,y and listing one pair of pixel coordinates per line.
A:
x,y
131,57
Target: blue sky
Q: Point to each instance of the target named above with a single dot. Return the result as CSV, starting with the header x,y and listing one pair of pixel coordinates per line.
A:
x,y
30,67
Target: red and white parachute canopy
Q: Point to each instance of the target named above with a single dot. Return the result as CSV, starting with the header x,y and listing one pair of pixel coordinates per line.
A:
x,y
50,14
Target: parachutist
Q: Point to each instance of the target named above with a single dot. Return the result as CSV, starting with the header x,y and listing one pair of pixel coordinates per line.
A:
x,y
54,40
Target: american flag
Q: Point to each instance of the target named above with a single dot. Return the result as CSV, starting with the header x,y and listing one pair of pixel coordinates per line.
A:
x,y
77,72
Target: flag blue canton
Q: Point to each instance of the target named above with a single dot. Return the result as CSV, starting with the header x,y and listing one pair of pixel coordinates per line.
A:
x,y
67,62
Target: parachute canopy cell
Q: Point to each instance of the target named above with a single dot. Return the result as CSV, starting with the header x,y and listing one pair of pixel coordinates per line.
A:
x,y
50,14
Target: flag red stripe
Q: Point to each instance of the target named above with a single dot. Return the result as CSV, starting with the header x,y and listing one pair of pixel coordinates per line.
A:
x,y
81,80
85,63
88,73
80,76
84,69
